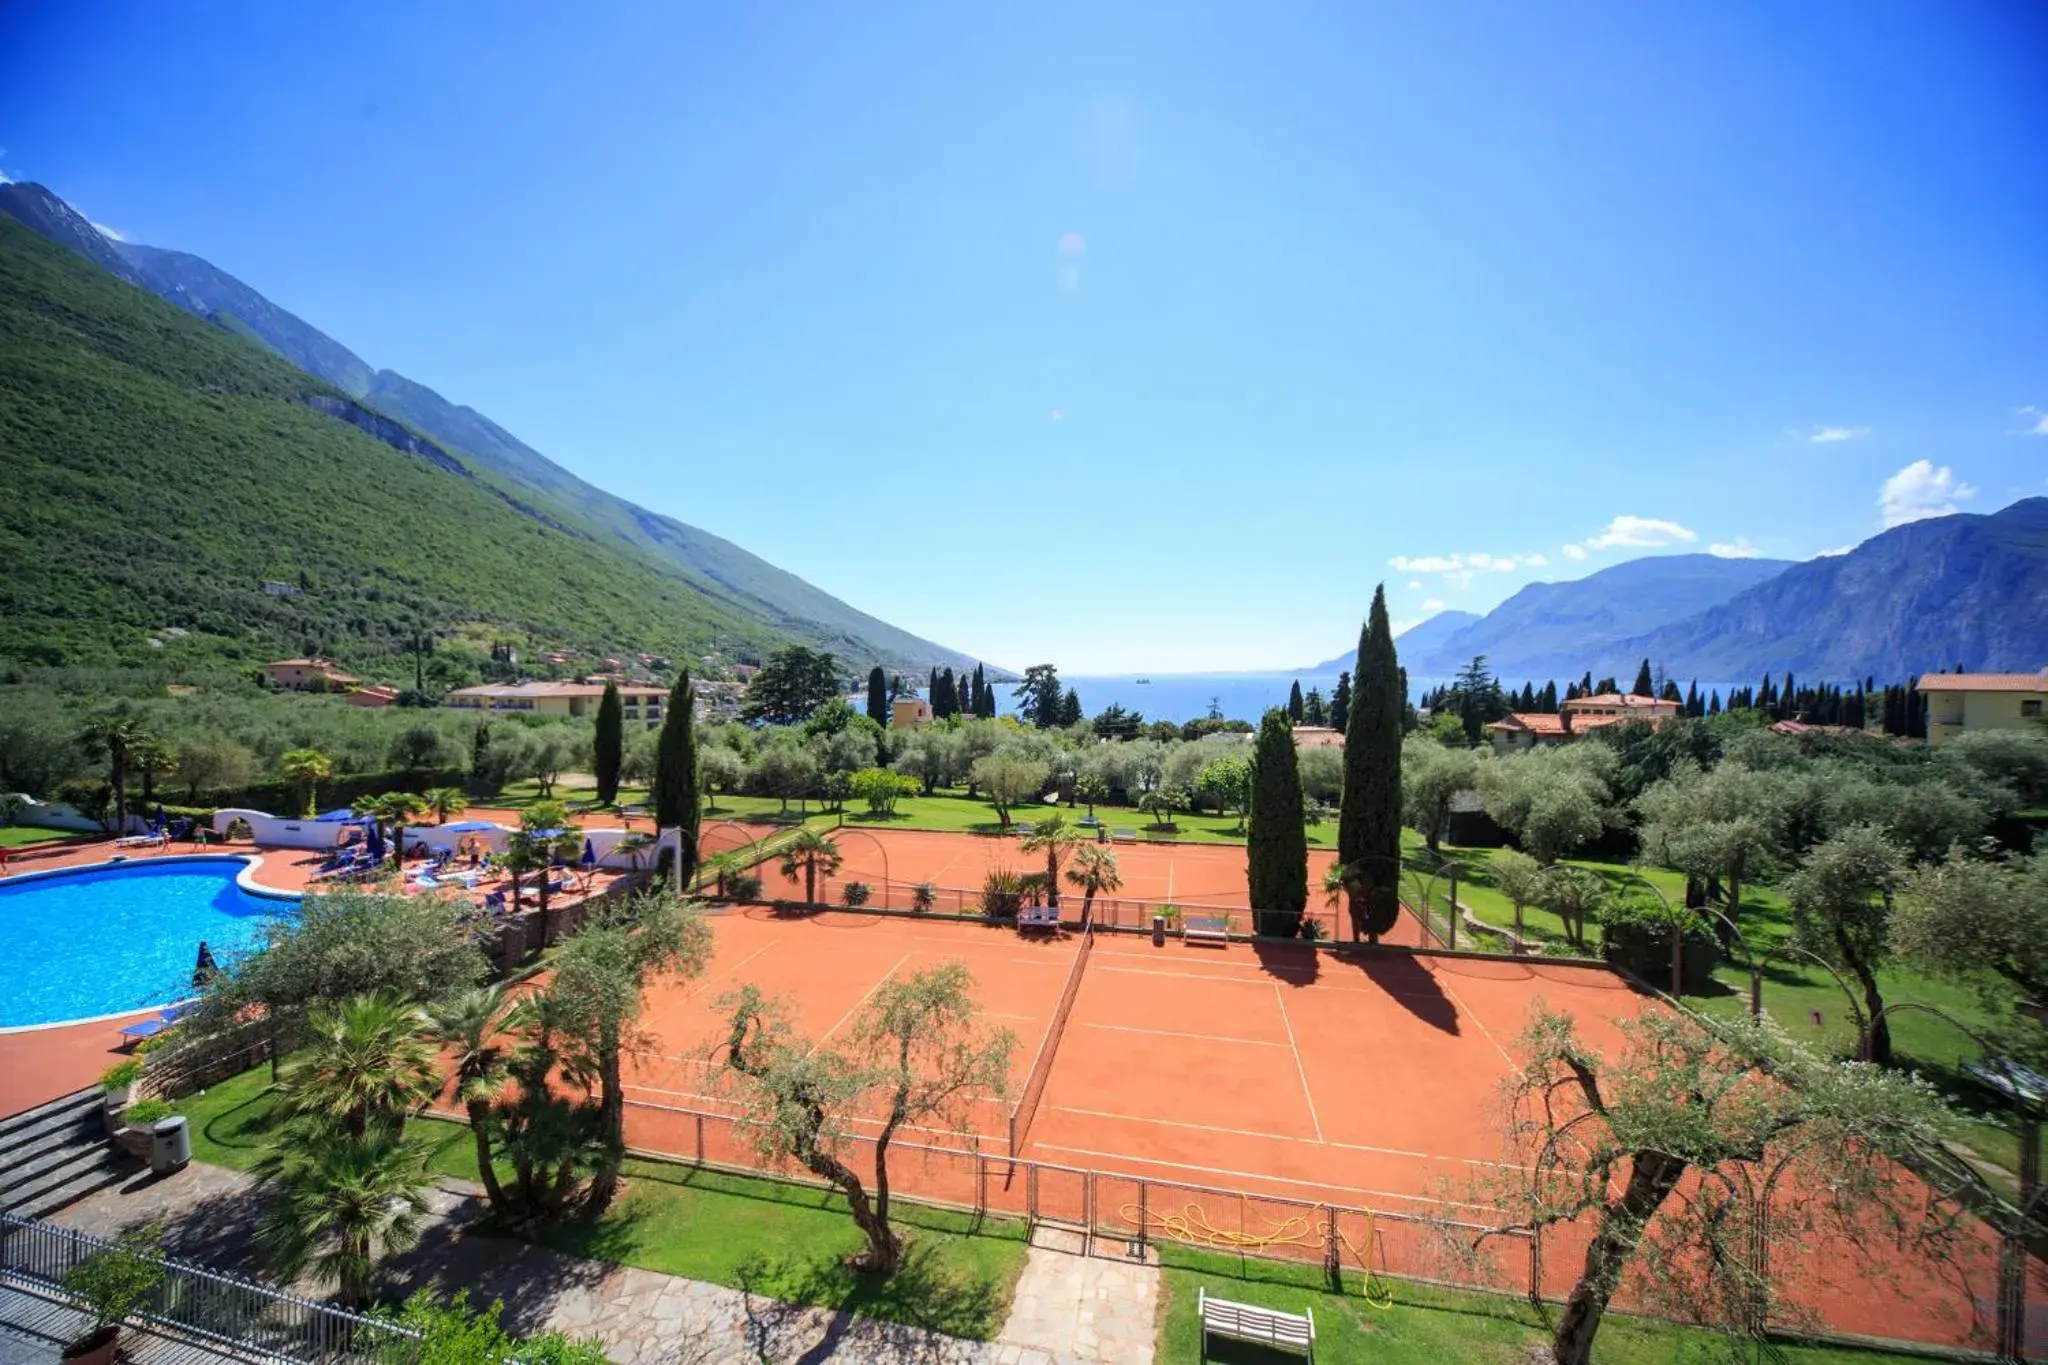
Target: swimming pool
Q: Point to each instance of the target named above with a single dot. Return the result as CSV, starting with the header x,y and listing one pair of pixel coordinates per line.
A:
x,y
101,940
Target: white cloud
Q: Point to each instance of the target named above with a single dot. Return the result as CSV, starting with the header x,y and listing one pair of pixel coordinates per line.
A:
x,y
1433,604
1920,491
1460,570
1739,548
111,234
1574,552
1401,628
1830,554
1536,561
1640,533
1415,585
1827,436
2039,418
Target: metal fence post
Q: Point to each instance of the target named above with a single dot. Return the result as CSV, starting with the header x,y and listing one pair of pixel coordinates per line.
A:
x,y
1451,910
700,1139
1144,1219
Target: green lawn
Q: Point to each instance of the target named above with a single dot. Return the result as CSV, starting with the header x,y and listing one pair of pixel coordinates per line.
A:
x,y
766,1236
954,811
23,836
1424,1326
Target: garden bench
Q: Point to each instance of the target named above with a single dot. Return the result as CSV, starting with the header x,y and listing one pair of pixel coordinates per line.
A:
x,y
2031,1084
1214,928
1038,917
1024,828
1124,836
1267,1327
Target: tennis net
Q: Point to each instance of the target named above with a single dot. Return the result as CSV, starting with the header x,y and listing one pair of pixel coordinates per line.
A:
x,y
1026,1106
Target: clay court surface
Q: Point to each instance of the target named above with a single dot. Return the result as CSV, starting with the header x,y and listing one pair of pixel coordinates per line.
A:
x,y
1240,1086
891,862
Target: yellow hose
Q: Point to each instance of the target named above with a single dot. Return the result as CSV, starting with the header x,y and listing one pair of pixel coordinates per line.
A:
x,y
1192,1226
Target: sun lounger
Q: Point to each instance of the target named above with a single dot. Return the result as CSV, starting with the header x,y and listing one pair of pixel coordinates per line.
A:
x,y
154,839
150,1028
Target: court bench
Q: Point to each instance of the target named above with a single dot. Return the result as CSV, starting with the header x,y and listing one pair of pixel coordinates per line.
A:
x,y
1228,1321
1211,928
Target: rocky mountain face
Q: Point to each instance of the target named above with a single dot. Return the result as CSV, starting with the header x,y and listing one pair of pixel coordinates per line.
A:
x,y
1965,589
709,563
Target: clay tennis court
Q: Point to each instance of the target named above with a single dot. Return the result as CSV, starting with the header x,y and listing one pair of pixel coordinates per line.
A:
x,y
892,862
1196,1087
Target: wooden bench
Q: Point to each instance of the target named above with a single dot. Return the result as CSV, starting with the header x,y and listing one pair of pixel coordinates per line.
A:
x,y
1268,1327
1213,928
1038,917
1124,836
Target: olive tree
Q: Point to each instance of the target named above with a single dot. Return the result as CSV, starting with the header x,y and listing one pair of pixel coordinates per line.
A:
x,y
1979,920
1728,823
1430,776
1553,801
1651,1149
917,1054
1841,899
1006,781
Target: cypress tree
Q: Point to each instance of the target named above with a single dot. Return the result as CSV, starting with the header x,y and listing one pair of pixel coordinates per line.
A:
x,y
1070,708
1714,702
1276,844
675,777
931,690
1645,686
980,701
1369,822
1294,703
611,744
944,698
878,696
1340,702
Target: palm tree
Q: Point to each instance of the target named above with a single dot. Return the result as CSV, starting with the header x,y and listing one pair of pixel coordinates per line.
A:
x,y
1055,838
545,834
338,1201
153,758
368,1064
309,768
473,1027
114,735
724,867
393,810
446,801
1094,870
811,851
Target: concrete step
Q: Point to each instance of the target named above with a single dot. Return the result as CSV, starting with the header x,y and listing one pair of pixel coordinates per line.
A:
x,y
18,1169
105,1167
72,1105
29,1143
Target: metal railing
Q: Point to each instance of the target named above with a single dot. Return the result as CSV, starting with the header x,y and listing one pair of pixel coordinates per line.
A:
x,y
206,1304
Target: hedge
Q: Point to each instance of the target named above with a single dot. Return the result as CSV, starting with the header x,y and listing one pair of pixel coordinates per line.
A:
x,y
1635,933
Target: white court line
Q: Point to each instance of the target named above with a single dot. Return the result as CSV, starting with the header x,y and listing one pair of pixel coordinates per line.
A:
x,y
1176,1033
858,1003
1479,1023
1246,1175
1177,1123
860,1119
1299,1069
1265,979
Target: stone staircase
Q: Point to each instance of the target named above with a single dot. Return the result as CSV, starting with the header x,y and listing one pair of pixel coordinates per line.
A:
x,y
56,1153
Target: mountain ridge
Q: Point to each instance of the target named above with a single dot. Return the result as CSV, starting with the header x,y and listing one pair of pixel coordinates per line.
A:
x,y
710,563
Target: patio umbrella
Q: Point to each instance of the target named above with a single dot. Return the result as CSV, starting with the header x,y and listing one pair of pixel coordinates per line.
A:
x,y
159,818
589,856
376,842
335,817
204,970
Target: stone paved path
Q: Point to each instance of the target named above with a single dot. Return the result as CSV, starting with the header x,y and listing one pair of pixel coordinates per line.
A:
x,y
1084,1308
1069,1310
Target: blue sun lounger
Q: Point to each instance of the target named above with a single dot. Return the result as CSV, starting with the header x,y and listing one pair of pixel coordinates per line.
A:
x,y
150,1028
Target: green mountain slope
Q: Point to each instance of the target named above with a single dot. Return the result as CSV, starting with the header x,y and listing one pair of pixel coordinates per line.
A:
x,y
158,469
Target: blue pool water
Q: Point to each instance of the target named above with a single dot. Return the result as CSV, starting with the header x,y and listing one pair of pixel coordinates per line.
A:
x,y
103,940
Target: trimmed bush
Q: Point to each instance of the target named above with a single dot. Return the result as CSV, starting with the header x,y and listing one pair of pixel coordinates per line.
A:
x,y
121,1075
143,1113
855,893
1636,937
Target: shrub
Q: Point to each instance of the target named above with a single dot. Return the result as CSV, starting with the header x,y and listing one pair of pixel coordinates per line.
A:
x,y
743,886
115,1282
1311,929
1636,937
855,893
1002,894
923,897
121,1075
144,1113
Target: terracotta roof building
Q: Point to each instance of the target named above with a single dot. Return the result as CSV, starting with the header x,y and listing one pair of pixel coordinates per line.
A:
x,y
1522,730
308,675
1960,702
639,702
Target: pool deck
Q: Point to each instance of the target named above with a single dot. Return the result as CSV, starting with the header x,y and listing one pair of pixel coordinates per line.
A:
x,y
38,1064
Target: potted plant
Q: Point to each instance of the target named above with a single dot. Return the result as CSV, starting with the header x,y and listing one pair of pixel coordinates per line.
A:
x,y
138,1125
856,893
117,1086
111,1284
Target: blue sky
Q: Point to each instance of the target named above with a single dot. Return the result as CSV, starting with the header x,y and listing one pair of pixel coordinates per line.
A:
x,y
1135,337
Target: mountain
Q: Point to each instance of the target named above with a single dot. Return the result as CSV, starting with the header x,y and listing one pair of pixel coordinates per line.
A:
x,y
1419,640
162,470
1557,630
751,586
1964,589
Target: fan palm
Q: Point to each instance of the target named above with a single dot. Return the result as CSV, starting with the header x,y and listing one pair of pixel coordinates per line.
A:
x,y
813,852
114,735
309,768
393,810
443,802
545,835
473,1027
367,1065
1055,838
1094,870
338,1201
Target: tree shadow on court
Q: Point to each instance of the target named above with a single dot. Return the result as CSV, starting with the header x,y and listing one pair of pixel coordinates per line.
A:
x,y
1294,964
1408,982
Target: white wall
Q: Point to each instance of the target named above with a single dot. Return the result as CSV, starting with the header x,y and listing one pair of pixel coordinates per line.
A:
x,y
274,831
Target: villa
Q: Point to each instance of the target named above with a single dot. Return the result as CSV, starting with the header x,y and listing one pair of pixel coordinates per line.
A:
x,y
308,675
909,713
1959,702
642,702
1522,730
